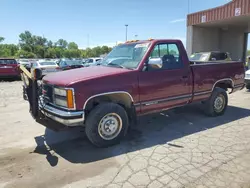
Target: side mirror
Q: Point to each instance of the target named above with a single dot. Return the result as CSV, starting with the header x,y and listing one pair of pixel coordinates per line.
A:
x,y
155,63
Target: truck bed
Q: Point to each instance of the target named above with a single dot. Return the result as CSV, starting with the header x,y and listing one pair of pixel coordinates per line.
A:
x,y
207,74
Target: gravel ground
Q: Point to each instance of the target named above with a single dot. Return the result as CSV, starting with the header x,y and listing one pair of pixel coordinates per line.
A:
x,y
178,148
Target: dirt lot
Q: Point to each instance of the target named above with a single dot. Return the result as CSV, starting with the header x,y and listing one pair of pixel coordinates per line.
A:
x,y
179,148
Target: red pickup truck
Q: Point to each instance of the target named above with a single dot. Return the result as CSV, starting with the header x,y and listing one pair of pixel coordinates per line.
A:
x,y
134,79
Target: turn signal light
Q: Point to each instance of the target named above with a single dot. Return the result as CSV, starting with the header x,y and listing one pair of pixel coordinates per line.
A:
x,y
70,98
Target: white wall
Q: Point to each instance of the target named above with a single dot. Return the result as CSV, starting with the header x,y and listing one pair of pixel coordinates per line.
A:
x,y
205,39
215,39
232,41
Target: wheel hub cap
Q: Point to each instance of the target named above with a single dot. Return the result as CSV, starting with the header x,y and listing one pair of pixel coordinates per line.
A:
x,y
219,103
110,126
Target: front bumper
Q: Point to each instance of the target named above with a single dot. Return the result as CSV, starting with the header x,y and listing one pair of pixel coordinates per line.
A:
x,y
68,118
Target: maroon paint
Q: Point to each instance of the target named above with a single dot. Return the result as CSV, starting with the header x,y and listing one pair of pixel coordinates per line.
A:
x,y
146,86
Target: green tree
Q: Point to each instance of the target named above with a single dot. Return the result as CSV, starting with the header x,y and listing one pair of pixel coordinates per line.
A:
x,y
50,53
105,49
8,50
25,54
72,46
50,44
1,39
39,50
62,43
59,52
26,39
38,40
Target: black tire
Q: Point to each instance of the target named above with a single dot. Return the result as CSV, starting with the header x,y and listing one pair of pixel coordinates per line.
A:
x,y
96,116
210,108
248,86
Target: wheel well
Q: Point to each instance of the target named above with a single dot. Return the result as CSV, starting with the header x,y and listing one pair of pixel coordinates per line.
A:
x,y
224,84
122,99
119,98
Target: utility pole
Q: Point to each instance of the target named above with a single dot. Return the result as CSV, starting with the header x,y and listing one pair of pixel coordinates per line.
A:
x,y
126,25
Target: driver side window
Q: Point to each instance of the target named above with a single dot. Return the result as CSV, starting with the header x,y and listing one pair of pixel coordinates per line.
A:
x,y
169,54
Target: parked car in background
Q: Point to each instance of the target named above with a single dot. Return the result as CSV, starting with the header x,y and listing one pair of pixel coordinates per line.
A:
x,y
70,64
9,68
92,61
24,62
45,66
247,79
210,56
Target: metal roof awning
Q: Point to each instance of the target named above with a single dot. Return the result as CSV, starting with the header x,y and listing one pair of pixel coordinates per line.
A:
x,y
236,13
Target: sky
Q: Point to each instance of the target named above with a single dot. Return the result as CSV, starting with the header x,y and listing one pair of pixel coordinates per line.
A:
x,y
98,22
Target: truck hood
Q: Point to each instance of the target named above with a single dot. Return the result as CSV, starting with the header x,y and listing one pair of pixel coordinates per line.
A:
x,y
65,78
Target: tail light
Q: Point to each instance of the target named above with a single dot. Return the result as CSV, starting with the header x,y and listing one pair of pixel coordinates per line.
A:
x,y
58,68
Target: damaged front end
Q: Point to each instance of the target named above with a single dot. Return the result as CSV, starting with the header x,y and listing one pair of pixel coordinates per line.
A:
x,y
32,92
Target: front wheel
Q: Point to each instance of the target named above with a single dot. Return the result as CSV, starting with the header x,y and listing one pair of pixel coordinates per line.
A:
x,y
216,105
106,124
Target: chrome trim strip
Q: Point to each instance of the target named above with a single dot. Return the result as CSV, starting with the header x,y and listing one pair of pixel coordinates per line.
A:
x,y
148,103
62,113
107,93
202,93
53,114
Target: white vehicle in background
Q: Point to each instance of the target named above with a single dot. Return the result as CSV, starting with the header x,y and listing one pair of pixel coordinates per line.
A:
x,y
247,79
24,62
45,66
92,61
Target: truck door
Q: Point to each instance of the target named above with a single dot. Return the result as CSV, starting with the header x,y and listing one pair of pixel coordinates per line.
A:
x,y
167,85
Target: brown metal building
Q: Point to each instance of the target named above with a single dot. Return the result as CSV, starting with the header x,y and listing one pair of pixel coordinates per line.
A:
x,y
223,28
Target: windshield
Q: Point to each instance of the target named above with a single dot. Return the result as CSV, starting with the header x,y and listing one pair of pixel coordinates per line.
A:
x,y
199,57
126,55
46,63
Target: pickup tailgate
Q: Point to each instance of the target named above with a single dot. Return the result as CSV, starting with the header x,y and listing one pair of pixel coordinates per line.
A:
x,y
206,75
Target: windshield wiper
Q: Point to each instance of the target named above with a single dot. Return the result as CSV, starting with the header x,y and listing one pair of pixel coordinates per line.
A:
x,y
117,65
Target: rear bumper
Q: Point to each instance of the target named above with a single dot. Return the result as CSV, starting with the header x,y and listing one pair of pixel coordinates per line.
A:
x,y
68,118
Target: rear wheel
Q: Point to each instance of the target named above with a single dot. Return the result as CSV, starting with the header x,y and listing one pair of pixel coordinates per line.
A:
x,y
106,124
217,103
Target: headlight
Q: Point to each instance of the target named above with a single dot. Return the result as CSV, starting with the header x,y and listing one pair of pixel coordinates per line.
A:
x,y
61,102
61,92
64,97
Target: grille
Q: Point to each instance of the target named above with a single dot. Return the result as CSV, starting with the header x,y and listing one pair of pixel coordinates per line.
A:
x,y
47,93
